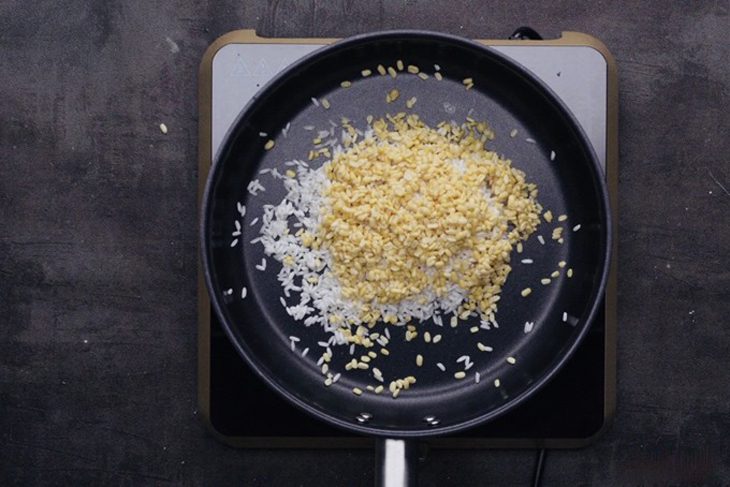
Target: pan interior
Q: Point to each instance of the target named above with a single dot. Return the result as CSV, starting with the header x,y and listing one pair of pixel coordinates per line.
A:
x,y
504,96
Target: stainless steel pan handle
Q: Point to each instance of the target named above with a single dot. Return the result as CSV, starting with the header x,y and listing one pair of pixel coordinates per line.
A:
x,y
396,462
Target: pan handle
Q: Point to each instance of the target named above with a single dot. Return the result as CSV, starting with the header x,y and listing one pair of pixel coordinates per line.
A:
x,y
396,462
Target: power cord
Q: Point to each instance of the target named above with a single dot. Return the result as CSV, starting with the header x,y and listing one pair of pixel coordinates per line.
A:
x,y
539,467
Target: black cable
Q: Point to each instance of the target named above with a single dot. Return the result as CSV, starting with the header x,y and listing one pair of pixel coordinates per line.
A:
x,y
539,466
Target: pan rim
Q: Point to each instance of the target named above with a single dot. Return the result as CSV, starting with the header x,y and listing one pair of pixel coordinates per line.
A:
x,y
547,376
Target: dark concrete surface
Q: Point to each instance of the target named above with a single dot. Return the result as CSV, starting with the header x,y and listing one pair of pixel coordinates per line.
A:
x,y
98,232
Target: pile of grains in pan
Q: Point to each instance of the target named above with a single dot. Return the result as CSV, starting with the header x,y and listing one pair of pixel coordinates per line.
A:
x,y
404,222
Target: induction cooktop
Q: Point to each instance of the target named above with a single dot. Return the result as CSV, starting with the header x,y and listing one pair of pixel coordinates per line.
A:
x,y
569,412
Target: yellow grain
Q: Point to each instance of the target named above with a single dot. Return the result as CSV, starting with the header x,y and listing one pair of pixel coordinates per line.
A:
x,y
429,225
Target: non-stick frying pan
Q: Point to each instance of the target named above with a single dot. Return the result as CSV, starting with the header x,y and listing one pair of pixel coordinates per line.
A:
x,y
549,146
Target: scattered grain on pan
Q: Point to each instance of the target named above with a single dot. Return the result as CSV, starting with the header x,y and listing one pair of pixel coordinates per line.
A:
x,y
519,247
527,261
308,128
477,377
365,73
463,358
530,140
548,216
484,348
328,382
423,76
419,360
384,351
411,102
441,366
387,333
459,375
263,135
474,329
555,274
163,128
436,338
269,144
234,242
241,209
562,218
399,65
570,272
454,321
262,265
325,368
392,96
561,264
529,325
427,337
346,84
513,133
541,240
413,69
244,292
315,101
379,389
576,228
565,316
392,72
468,81
438,76
526,292
254,187
511,360
381,70
545,281
228,292
497,383
357,391
326,103
254,222
436,67
552,155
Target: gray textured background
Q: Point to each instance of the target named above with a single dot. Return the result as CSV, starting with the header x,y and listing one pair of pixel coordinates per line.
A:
x,y
98,231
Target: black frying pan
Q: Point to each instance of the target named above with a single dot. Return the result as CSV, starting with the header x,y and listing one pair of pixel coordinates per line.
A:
x,y
507,97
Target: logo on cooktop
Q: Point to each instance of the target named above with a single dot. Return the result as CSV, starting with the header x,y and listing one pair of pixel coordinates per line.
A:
x,y
255,68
